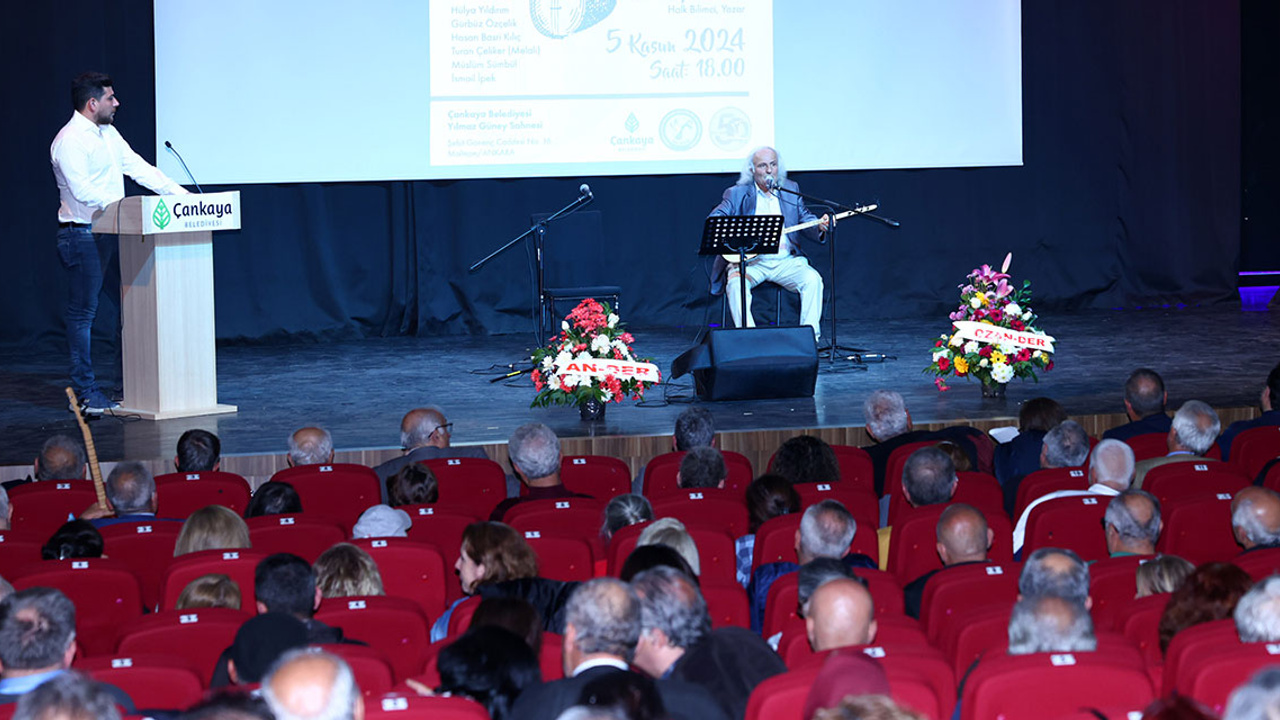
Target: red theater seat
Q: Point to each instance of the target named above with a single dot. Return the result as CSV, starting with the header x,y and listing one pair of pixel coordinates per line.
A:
x,y
410,570
300,534
857,500
1197,527
1073,522
1195,641
201,635
180,494
1113,585
340,491
239,565
1260,563
579,518
40,508
561,558
1042,482
1211,674
980,490
660,474
170,682
781,603
856,468
1014,687
405,706
441,527
600,476
1183,479
913,545
1139,620
1148,445
106,595
892,631
370,665
776,539
146,548
476,483
727,605
393,625
897,462
955,592
18,550
1254,448
716,553
709,508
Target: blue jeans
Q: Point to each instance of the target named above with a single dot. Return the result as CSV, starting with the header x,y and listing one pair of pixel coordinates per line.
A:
x,y
83,255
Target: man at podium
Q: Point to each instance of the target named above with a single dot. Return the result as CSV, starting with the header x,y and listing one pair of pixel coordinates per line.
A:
x,y
756,193
90,160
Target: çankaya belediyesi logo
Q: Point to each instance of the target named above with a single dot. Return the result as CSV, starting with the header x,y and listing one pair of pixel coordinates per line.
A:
x,y
160,216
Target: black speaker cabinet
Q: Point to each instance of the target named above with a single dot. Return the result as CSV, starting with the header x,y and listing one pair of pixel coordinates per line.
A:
x,y
756,363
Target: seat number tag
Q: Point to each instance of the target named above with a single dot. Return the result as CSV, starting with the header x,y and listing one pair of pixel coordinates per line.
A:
x,y
995,570
1062,660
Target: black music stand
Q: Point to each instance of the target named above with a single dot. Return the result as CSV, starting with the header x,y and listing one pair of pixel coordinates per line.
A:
x,y
739,235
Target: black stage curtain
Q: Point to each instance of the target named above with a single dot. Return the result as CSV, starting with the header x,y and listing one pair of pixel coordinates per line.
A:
x,y
1129,195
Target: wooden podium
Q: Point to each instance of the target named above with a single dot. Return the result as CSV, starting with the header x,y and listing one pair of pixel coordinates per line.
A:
x,y
166,305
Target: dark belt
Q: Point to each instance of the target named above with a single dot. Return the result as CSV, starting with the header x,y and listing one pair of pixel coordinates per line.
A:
x,y
65,225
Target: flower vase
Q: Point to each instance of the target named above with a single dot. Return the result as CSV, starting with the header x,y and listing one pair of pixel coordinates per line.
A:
x,y
993,390
591,409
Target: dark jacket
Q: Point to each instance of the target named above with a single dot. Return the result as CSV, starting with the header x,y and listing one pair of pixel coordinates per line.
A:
x,y
547,700
548,596
729,663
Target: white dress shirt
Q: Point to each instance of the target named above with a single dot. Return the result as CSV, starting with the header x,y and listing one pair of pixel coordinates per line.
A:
x,y
1020,532
767,204
89,164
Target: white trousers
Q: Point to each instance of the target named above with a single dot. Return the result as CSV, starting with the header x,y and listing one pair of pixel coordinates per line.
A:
x,y
791,272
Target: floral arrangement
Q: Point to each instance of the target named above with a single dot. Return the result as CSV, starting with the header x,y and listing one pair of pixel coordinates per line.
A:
x,y
590,359
994,337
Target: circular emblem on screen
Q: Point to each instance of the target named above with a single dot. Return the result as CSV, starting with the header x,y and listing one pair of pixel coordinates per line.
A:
x,y
730,128
680,129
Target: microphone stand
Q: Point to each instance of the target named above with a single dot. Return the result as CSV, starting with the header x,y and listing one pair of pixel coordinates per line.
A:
x,y
858,356
538,232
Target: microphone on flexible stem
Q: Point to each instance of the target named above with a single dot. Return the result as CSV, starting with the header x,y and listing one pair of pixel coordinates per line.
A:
x,y
585,191
770,182
184,166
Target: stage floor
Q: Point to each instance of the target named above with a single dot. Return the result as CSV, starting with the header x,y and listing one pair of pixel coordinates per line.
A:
x,y
360,389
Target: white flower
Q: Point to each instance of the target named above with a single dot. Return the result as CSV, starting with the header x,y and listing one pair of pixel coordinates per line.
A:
x,y
564,325
1012,309
975,302
940,353
956,340
1026,315
607,395
971,347
553,382
584,356
985,362
1002,373
564,357
600,344
548,363
1008,348
1037,354
613,320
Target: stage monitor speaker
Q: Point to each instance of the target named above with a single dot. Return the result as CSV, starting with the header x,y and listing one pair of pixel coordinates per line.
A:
x,y
757,363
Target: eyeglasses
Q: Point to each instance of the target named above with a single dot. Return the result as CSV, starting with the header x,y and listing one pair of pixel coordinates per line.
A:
x,y
447,427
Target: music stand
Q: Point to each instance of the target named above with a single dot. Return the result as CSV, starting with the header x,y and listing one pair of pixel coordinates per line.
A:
x,y
738,235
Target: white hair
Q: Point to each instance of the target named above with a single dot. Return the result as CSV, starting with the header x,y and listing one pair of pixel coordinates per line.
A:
x,y
1112,463
748,176
1196,426
1258,612
886,414
343,694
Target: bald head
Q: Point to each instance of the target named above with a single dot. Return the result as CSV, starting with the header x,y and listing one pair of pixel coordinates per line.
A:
x,y
841,614
61,458
963,535
1133,523
1050,624
1255,517
310,685
310,446
424,427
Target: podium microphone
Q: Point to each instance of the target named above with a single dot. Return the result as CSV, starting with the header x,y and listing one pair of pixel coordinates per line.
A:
x,y
184,166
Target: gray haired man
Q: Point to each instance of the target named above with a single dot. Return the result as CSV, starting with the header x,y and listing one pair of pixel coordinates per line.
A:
x,y
534,450
1195,428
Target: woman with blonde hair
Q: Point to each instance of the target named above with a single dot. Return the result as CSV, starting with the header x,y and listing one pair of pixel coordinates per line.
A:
x,y
213,527
345,570
672,533
214,590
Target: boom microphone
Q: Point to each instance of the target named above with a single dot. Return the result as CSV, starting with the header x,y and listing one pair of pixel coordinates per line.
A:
x,y
770,182
184,166
585,191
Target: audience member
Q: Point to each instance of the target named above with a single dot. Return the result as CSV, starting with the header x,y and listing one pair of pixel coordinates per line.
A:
x,y
425,434
928,477
131,497
768,497
1162,574
1195,427
1018,458
622,696
67,696
841,614
602,628
810,577
490,665
695,427
382,521
229,705
308,684
1055,572
702,467
1110,473
1144,403
61,458
413,484
310,446
345,570
806,459
1258,699
867,707
535,457
959,458
624,511
1255,518
274,498
963,539
889,425
491,553
1270,416
285,583
1066,445
672,533
826,530
75,539
646,557
846,675
210,591
676,641
1209,593
1132,523
213,527
198,451
38,642
1257,614
259,642
514,614
1050,624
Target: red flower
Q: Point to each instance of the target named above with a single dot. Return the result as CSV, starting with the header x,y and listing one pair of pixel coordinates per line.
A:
x,y
538,384
985,351
938,344
626,338
1049,366
1017,325
943,364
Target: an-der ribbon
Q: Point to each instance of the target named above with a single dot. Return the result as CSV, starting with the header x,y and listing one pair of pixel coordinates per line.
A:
x,y
621,369
985,332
